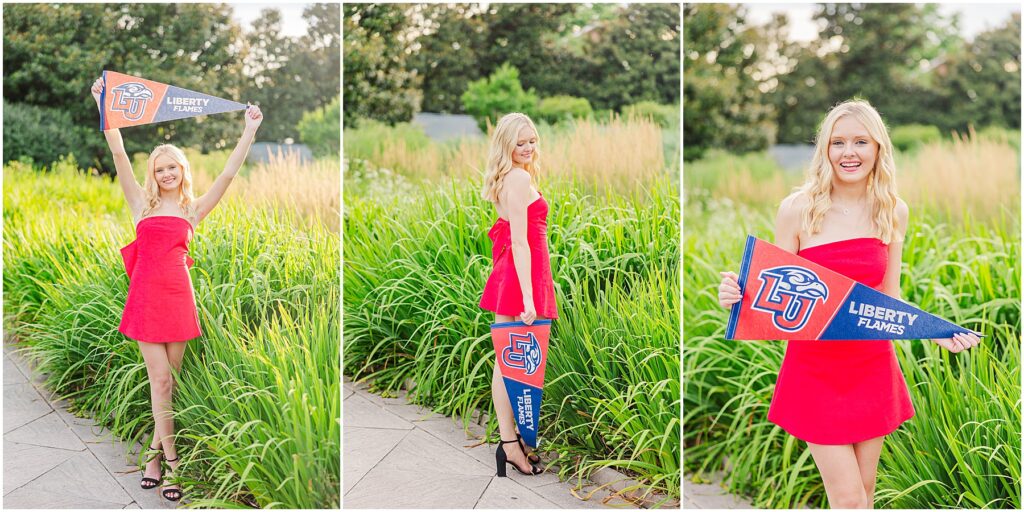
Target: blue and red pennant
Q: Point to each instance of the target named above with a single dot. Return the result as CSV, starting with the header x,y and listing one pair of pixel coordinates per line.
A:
x,y
131,101
522,352
788,297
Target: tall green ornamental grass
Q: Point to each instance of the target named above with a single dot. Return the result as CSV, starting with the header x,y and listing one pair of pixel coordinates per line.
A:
x,y
257,401
415,266
962,449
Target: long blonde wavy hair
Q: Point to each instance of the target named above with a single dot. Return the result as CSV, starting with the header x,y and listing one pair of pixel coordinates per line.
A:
x,y
499,156
882,196
152,189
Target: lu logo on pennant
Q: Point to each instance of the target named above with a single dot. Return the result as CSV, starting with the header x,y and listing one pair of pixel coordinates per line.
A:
x,y
788,297
132,101
522,354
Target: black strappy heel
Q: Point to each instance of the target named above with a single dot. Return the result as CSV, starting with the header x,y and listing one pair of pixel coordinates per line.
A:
x,y
172,494
532,457
150,483
502,459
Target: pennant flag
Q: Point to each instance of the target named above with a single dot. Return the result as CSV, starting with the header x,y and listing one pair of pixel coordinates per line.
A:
x,y
522,352
131,101
786,297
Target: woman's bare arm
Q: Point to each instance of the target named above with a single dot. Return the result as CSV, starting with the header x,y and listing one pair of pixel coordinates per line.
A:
x,y
206,203
516,195
133,192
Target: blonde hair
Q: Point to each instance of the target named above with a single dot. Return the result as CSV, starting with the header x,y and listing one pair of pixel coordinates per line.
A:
x,y
499,156
152,189
881,186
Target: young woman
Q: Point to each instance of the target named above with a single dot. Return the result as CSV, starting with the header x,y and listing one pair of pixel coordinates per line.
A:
x,y
843,398
520,286
160,311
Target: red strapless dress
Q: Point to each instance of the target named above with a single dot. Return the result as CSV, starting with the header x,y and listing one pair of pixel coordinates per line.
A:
x,y
502,293
161,305
842,392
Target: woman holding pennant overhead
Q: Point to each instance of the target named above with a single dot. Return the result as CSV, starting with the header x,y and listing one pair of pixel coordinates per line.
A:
x,y
844,397
160,310
520,286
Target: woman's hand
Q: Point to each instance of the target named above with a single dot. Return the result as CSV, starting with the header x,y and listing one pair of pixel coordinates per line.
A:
x,y
253,117
729,290
959,342
529,313
97,89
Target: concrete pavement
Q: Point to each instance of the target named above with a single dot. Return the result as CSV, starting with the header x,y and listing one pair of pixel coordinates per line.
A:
x,y
400,455
52,459
711,496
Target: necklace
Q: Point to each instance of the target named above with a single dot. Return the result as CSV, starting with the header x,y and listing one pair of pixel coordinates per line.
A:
x,y
844,209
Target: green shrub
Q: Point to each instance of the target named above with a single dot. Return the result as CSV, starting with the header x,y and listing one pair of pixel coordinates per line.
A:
x,y
41,134
910,136
667,116
603,115
371,137
1000,134
489,98
559,108
320,129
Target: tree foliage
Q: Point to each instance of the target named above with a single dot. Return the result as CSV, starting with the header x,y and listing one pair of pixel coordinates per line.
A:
x,y
378,83
723,105
610,55
747,86
293,75
53,53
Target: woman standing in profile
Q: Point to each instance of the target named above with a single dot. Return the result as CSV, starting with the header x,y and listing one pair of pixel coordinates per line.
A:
x,y
844,397
520,286
160,311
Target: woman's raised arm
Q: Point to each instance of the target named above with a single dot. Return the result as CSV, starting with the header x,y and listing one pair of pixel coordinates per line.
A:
x,y
133,192
206,203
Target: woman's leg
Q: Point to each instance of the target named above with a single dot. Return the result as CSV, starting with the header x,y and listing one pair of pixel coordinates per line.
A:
x,y
161,382
867,458
175,354
503,411
161,385
840,472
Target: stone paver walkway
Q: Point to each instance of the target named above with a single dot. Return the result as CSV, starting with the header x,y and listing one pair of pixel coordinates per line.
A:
x,y
52,459
399,455
710,496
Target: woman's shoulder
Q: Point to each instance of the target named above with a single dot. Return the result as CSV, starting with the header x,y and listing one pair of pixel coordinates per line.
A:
x,y
517,175
902,214
793,204
517,180
902,210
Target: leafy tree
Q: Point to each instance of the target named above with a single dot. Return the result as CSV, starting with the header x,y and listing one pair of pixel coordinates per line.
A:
x,y
53,53
378,82
878,52
515,35
636,57
609,54
448,56
489,98
293,75
722,104
980,86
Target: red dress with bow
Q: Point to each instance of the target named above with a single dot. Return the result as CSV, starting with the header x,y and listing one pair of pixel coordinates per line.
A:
x,y
161,305
842,392
502,293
